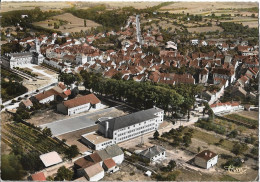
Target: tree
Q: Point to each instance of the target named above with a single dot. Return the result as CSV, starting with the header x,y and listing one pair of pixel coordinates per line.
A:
x,y
72,151
254,151
171,165
233,134
239,149
47,132
56,26
11,168
67,78
63,174
156,135
117,76
198,149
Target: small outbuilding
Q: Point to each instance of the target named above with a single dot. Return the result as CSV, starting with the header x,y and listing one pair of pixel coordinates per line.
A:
x,y
50,159
206,159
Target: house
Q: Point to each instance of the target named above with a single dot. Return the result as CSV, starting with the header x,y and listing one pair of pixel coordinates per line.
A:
x,y
203,75
94,172
243,81
116,153
55,93
38,177
109,165
153,153
194,42
206,159
50,159
79,104
227,107
45,96
26,104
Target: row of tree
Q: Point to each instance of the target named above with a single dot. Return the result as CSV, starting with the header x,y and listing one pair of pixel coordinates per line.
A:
x,y
143,95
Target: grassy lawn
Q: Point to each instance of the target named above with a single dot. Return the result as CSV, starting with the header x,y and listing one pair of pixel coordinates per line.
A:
x,y
212,139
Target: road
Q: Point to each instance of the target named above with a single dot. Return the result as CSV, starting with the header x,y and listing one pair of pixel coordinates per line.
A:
x,y
15,105
138,30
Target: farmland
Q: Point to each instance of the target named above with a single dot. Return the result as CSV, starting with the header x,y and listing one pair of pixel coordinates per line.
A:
x,y
67,23
29,139
205,7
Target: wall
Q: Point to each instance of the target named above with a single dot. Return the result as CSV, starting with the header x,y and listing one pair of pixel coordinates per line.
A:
x,y
212,162
47,100
78,109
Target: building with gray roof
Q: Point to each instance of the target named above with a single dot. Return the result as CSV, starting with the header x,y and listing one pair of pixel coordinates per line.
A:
x,y
127,127
153,153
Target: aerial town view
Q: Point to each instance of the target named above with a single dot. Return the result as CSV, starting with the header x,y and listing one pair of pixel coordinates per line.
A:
x,y
129,91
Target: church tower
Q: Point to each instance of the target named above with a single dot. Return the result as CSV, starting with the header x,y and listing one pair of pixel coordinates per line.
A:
x,y
37,45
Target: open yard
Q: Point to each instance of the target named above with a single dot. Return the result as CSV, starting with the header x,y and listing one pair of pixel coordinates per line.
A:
x,y
127,172
69,23
73,138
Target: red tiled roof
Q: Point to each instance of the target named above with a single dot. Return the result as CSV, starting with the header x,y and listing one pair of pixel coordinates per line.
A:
x,y
38,177
109,163
90,98
67,92
45,94
27,102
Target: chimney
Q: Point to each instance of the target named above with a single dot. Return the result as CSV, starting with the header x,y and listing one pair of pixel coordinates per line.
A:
x,y
106,129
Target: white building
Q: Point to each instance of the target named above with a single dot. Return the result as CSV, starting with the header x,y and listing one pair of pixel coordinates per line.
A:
x,y
11,60
50,159
206,159
127,127
79,104
227,107
94,172
45,96
153,153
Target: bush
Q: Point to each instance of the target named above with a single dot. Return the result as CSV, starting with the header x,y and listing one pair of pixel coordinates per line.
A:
x,y
239,149
236,162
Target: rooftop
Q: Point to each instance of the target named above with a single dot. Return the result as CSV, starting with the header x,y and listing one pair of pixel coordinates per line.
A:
x,y
131,119
95,138
50,158
152,151
90,98
94,170
206,154
38,177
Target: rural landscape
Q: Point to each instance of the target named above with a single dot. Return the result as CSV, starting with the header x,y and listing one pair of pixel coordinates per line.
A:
x,y
129,91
